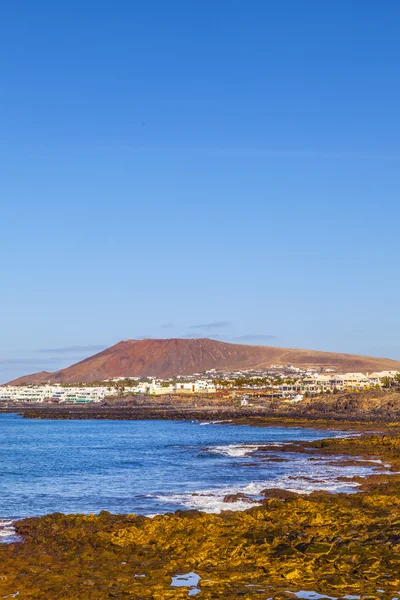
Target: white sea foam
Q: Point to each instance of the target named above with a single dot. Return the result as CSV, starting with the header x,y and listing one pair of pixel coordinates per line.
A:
x,y
303,477
235,450
208,501
212,500
7,531
215,422
238,450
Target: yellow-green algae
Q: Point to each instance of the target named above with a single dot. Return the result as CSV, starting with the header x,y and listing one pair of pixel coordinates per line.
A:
x,y
334,544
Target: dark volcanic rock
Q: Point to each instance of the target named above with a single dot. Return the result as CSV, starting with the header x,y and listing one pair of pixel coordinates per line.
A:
x,y
237,498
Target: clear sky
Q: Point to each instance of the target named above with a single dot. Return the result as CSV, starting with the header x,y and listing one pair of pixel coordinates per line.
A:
x,y
228,169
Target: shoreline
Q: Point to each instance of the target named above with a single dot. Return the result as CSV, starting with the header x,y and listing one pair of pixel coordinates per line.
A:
x,y
243,449
328,543
240,416
369,410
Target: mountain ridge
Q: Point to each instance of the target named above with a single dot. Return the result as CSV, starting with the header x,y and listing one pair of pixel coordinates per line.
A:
x,y
165,358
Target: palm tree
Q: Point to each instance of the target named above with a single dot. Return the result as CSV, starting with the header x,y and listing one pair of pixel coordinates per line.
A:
x,y
386,381
397,378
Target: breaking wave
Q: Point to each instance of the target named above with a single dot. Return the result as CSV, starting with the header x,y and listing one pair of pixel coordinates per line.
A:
x,y
7,531
234,450
301,476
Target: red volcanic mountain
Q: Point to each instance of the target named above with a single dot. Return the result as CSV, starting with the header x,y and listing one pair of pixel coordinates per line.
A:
x,y
167,358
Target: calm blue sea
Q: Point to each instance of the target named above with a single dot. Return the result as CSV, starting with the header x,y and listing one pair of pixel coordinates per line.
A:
x,y
148,467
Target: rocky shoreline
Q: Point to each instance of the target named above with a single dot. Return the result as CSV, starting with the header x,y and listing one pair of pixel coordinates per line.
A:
x,y
332,544
350,409
336,545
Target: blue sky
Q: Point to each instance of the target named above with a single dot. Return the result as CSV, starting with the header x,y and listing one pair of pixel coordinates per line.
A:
x,y
225,169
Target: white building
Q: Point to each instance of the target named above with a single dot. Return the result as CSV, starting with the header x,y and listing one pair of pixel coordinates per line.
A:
x,y
377,376
200,385
40,393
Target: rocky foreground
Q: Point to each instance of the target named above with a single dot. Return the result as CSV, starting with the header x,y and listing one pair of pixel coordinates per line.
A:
x,y
336,545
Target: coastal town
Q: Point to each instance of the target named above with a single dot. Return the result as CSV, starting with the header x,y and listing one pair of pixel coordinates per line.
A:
x,y
288,383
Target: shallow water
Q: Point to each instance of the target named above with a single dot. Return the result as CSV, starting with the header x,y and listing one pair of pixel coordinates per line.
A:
x,y
188,580
149,467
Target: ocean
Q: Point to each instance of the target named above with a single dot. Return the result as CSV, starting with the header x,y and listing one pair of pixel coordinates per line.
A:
x,y
151,467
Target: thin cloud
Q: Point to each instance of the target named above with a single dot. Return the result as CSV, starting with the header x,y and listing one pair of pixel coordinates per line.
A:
x,y
28,363
212,325
9,362
167,325
193,336
254,337
198,336
69,349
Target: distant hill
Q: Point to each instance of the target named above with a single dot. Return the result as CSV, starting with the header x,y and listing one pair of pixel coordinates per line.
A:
x,y
36,377
169,357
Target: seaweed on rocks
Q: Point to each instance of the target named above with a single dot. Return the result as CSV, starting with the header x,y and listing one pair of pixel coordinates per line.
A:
x,y
332,544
